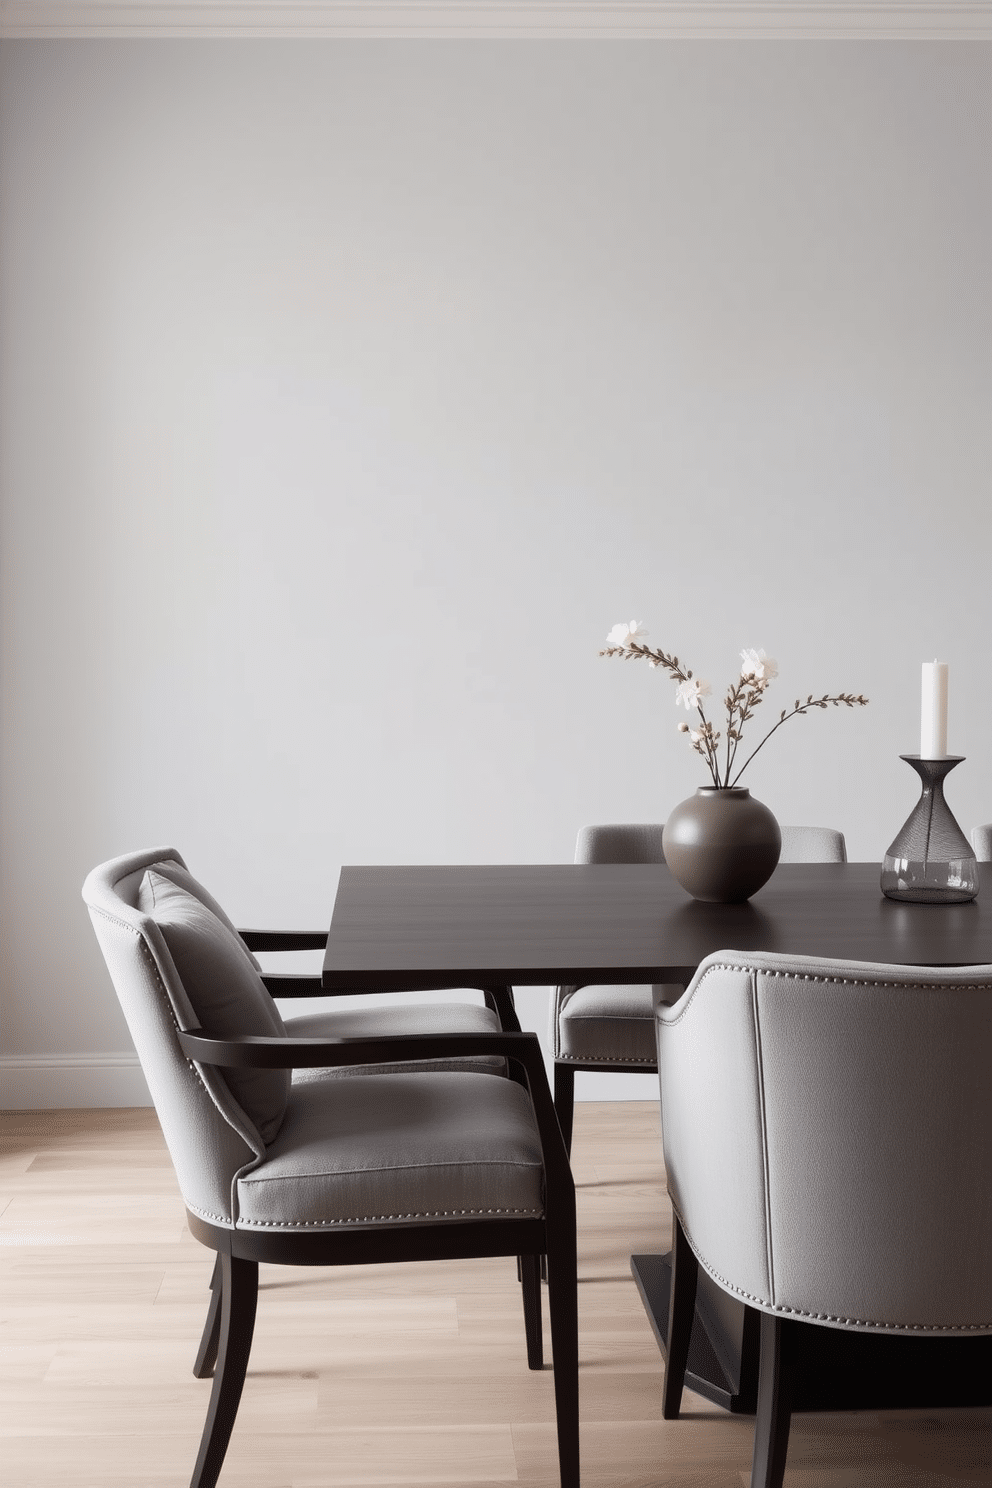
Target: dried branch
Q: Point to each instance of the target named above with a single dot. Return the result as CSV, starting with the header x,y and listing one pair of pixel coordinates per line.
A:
x,y
742,698
852,700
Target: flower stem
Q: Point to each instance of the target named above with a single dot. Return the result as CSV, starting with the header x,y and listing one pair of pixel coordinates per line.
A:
x,y
711,757
784,719
730,729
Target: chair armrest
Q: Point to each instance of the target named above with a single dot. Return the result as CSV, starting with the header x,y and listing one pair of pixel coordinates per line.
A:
x,y
284,940
264,1051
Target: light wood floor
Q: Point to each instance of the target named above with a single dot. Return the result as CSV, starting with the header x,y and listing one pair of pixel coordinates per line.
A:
x,y
390,1374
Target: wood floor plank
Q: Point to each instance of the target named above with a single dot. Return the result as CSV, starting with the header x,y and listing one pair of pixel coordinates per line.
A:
x,y
24,1361
362,1456
102,1160
14,1162
94,1407
40,1286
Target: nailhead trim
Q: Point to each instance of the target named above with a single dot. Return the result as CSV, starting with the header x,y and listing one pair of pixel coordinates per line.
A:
x,y
223,1220
309,1224
607,1059
805,976
829,1317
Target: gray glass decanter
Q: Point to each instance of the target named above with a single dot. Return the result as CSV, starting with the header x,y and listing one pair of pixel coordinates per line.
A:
x,y
931,861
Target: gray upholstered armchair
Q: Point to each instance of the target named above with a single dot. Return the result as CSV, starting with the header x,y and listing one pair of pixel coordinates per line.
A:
x,y
828,1140
612,1028
425,1163
369,1020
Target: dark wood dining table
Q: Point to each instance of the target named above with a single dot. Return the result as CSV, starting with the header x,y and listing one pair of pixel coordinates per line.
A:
x,y
493,927
496,926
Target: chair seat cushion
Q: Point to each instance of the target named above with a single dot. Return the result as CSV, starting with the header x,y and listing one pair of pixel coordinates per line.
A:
x,y
397,1149
402,1020
612,1025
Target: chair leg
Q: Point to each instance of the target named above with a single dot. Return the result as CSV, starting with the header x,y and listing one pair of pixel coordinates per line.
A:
x,y
206,1356
681,1312
529,1267
239,1298
563,1292
565,1101
771,1427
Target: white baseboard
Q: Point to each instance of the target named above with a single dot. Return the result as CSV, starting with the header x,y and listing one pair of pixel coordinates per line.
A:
x,y
606,1085
56,1082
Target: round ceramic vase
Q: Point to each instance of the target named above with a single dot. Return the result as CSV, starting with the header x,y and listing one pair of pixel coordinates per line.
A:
x,y
721,845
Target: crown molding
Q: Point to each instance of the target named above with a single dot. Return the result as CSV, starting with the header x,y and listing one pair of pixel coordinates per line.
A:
x,y
510,20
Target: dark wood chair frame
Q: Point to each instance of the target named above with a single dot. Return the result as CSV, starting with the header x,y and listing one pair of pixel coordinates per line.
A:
x,y
227,1336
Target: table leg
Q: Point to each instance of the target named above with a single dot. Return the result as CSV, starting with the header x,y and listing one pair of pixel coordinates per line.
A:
x,y
837,1369
724,1343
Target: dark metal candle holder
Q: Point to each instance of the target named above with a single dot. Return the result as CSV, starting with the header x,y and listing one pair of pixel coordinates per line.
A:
x,y
931,861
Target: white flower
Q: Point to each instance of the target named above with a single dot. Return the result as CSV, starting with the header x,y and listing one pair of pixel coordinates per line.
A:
x,y
690,692
683,728
759,666
695,735
622,635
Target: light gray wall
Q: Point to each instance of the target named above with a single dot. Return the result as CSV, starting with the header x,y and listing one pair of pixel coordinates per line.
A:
x,y
352,391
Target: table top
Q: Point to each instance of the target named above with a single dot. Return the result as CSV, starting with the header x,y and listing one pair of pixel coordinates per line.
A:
x,y
413,928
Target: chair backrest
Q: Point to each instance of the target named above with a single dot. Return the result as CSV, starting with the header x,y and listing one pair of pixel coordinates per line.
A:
x,y
812,845
828,1137
981,841
214,1128
640,842
635,842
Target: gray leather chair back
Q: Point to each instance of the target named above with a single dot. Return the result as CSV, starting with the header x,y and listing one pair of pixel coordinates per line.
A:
x,y
828,1137
209,1136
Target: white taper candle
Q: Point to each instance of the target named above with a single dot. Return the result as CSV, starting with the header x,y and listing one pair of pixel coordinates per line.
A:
x,y
933,711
